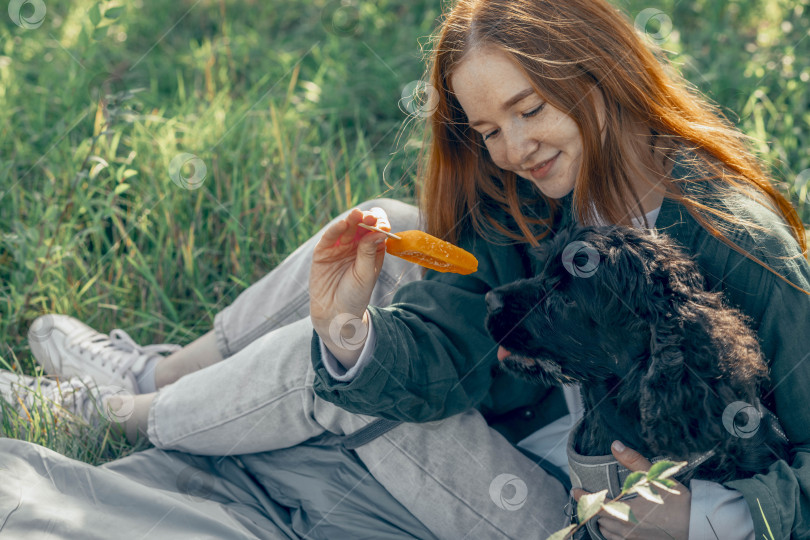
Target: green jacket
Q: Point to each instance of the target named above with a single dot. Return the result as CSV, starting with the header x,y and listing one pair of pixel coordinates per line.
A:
x,y
433,357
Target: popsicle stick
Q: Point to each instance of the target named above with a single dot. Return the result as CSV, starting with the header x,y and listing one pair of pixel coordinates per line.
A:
x,y
373,228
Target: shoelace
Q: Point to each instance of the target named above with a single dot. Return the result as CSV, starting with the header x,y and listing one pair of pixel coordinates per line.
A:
x,y
106,348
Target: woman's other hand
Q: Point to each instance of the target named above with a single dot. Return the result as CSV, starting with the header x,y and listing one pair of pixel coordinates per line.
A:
x,y
345,266
668,521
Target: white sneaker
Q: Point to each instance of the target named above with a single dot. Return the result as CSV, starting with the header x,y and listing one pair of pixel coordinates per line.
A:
x,y
78,396
67,347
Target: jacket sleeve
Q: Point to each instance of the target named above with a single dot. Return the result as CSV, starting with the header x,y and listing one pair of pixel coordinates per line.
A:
x,y
433,357
781,319
784,331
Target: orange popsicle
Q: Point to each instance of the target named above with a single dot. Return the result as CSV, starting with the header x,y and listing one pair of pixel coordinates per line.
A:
x,y
426,250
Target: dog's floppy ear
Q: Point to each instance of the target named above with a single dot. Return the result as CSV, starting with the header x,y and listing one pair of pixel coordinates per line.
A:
x,y
677,404
703,358
661,396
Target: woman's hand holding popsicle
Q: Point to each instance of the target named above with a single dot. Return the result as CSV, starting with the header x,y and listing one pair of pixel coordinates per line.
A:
x,y
346,263
345,267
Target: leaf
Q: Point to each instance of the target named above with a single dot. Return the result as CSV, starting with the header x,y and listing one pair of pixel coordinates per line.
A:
x,y
88,285
665,469
649,493
120,188
99,121
668,486
97,168
94,14
633,479
618,510
669,482
562,533
100,33
590,504
100,165
114,12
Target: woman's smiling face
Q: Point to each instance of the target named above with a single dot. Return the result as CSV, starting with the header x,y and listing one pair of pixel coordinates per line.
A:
x,y
521,130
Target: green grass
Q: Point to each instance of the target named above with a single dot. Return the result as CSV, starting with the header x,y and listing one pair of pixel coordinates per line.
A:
x,y
295,118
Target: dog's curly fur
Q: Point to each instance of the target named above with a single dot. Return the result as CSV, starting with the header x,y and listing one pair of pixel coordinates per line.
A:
x,y
659,358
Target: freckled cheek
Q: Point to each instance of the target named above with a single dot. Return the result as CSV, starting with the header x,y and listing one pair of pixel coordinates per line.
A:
x,y
500,161
495,154
500,150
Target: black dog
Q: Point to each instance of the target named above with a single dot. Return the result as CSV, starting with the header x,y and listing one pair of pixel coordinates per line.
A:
x,y
662,362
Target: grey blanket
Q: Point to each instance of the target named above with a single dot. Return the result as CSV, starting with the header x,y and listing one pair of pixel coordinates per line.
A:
x,y
317,490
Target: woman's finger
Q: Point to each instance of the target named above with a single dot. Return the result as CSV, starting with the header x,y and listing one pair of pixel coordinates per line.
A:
x,y
612,528
577,493
332,235
343,231
613,536
610,524
354,233
351,233
382,218
629,458
371,247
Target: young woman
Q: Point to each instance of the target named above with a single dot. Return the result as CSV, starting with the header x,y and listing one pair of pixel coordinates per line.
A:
x,y
545,112
564,98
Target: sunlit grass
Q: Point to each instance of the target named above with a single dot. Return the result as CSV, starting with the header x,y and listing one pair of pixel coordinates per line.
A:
x,y
293,108
44,422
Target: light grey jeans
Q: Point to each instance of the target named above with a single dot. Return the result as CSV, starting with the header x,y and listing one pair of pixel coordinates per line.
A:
x,y
458,476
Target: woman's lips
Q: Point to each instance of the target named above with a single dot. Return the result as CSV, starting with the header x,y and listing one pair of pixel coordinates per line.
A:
x,y
541,172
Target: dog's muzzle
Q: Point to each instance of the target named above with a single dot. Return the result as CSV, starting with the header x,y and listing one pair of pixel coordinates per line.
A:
x,y
494,302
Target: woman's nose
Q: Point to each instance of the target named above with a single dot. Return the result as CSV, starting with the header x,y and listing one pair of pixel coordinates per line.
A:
x,y
519,151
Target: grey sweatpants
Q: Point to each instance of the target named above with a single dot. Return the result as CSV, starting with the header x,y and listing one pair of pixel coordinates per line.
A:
x,y
458,477
291,493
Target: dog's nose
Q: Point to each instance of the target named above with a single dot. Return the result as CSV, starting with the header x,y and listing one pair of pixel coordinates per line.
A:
x,y
494,302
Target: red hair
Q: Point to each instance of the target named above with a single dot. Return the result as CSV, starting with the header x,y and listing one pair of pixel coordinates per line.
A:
x,y
566,49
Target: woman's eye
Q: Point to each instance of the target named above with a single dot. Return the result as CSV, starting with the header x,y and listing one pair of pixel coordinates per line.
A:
x,y
524,115
533,112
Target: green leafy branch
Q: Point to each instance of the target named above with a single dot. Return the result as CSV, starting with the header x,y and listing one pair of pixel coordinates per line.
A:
x,y
639,482
103,21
